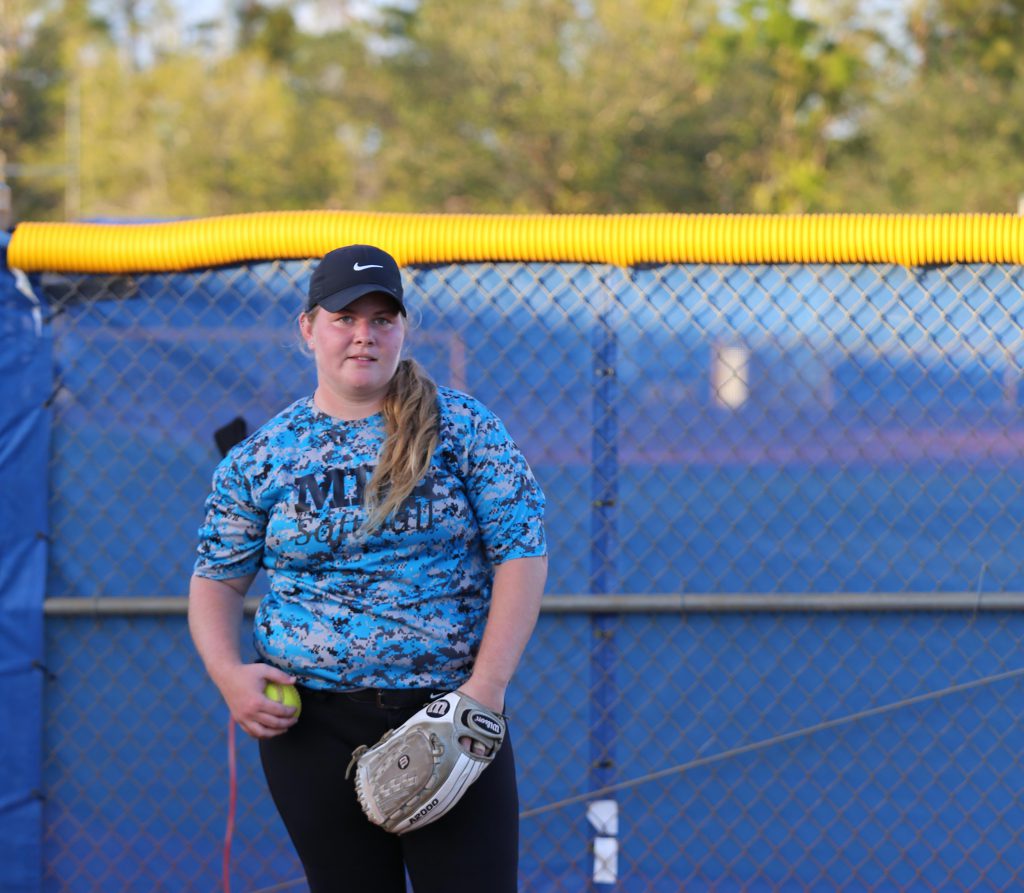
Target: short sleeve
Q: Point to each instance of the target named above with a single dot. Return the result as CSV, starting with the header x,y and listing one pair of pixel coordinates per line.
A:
x,y
231,539
506,498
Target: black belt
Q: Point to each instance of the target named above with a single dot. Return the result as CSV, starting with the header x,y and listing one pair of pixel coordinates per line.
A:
x,y
382,697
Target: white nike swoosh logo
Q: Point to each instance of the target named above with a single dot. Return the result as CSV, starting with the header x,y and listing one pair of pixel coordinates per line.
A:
x,y
357,267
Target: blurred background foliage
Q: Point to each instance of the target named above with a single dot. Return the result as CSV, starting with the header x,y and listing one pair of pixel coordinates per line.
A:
x,y
119,109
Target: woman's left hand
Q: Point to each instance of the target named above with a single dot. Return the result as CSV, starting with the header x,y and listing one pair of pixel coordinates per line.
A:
x,y
492,697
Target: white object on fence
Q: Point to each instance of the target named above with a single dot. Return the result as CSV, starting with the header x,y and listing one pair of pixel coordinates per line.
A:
x,y
604,816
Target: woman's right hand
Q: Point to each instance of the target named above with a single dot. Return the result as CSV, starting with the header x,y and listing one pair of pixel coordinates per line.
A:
x,y
214,614
242,688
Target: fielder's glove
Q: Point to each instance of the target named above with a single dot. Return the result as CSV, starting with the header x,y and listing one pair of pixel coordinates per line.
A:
x,y
419,771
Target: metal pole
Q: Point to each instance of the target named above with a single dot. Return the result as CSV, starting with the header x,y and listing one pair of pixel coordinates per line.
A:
x,y
625,603
5,200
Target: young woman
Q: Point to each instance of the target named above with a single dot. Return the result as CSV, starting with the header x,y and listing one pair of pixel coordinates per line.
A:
x,y
402,533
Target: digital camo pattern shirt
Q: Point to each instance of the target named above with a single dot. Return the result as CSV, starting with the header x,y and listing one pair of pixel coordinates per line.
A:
x,y
403,607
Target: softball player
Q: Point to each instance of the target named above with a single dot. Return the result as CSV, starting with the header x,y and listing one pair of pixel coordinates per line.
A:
x,y
402,534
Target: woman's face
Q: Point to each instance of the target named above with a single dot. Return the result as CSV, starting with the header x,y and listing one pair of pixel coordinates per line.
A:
x,y
357,351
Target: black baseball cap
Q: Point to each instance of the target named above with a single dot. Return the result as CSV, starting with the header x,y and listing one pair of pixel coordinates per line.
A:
x,y
345,274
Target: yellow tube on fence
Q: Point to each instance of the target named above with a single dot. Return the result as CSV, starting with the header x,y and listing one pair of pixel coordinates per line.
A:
x,y
621,239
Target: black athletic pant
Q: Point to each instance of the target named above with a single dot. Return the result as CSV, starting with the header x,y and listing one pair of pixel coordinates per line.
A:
x,y
474,847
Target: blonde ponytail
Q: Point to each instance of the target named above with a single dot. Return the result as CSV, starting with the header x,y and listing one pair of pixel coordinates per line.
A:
x,y
411,421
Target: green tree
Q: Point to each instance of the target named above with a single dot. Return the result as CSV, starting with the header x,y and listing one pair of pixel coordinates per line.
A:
x,y
269,30
543,105
39,91
655,105
180,138
947,136
441,105
156,128
786,93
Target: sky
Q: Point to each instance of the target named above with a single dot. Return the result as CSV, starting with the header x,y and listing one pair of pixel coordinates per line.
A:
x,y
204,10
195,11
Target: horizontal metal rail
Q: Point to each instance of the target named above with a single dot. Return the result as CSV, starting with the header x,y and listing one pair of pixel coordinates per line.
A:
x,y
624,603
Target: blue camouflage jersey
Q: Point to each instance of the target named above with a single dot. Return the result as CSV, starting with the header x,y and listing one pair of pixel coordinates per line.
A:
x,y
402,607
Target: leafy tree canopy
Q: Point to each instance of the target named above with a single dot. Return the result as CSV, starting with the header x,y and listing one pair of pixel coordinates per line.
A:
x,y
111,109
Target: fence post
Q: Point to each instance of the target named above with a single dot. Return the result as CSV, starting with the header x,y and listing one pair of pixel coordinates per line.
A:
x,y
604,549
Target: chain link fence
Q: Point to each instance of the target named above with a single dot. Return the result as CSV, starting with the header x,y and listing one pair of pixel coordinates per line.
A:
x,y
781,647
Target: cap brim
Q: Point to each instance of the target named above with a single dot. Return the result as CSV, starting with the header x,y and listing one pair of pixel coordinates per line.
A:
x,y
341,299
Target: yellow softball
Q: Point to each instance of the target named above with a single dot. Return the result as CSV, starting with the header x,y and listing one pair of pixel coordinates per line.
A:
x,y
284,694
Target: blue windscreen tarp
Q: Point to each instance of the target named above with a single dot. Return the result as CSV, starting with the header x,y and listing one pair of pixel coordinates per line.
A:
x,y
25,384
